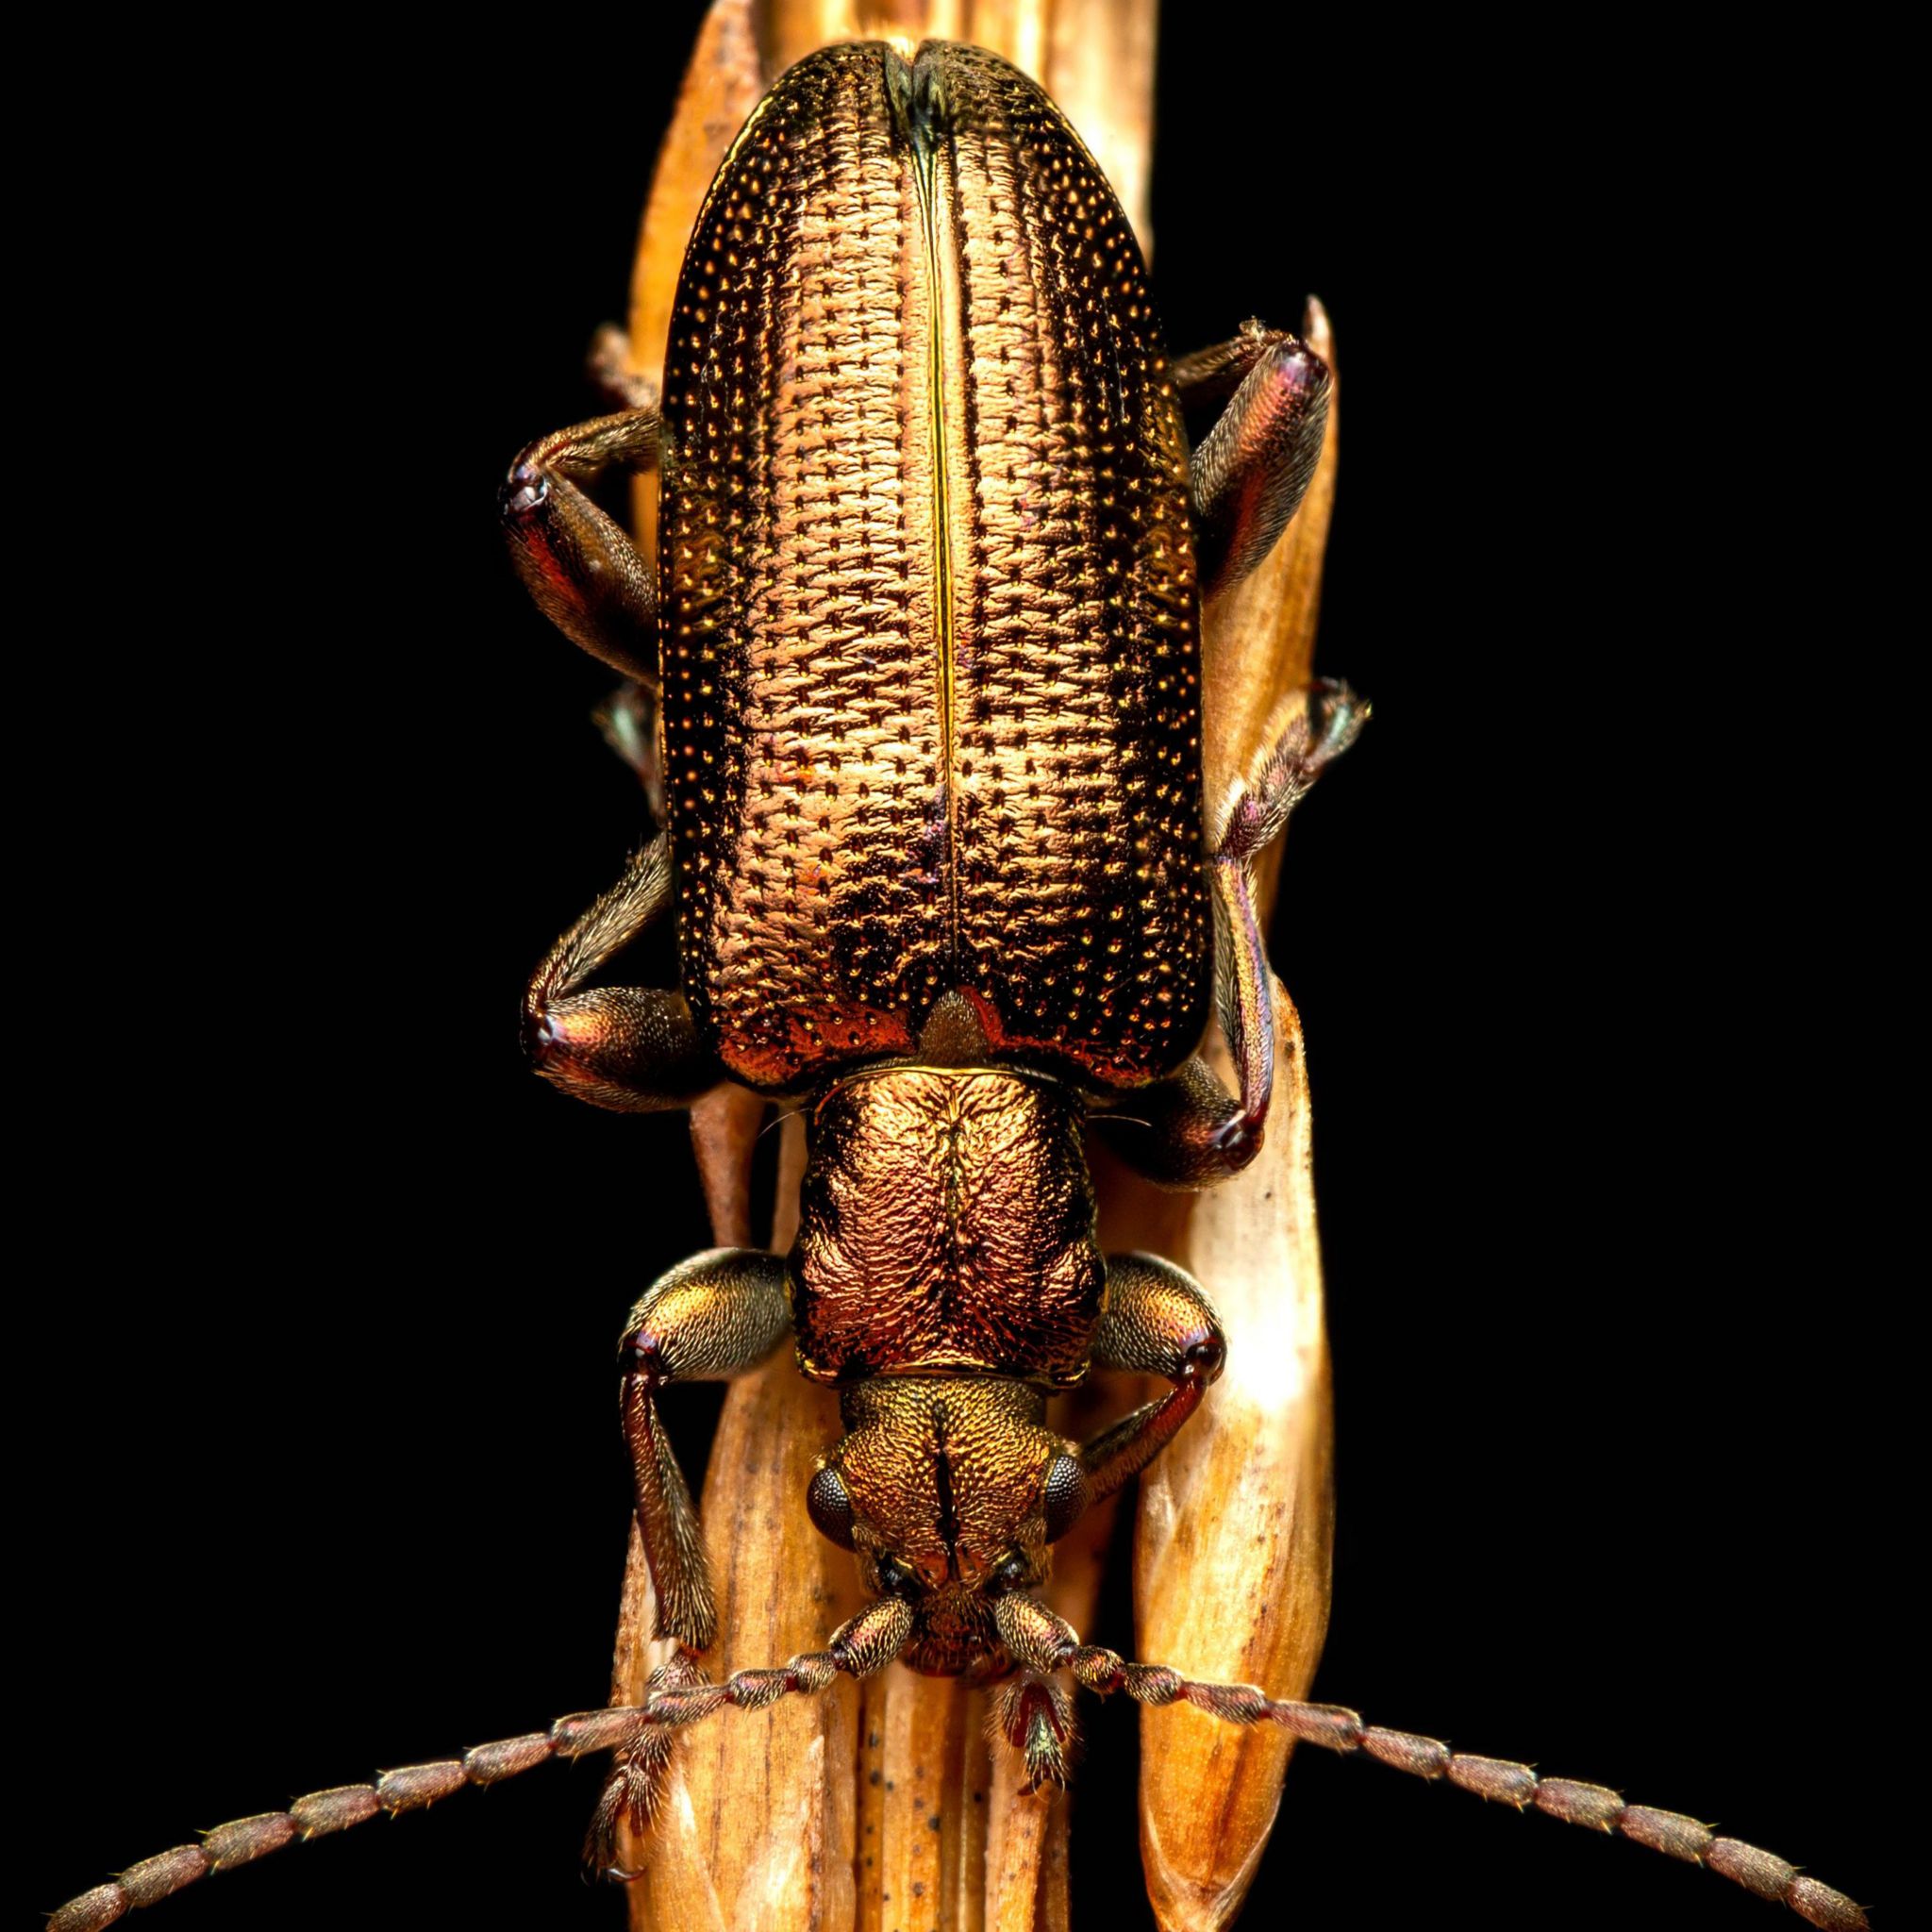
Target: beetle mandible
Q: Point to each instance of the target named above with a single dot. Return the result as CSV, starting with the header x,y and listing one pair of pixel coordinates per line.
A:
x,y
592,1040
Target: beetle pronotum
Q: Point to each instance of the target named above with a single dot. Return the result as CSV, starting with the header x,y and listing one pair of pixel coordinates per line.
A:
x,y
1411,1612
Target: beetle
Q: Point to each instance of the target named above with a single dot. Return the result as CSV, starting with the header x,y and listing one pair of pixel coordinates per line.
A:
x,y
922,633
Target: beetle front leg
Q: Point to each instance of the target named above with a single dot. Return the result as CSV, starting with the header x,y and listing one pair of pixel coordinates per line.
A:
x,y
1157,1321
1186,1131
1249,474
584,573
708,1319
633,1049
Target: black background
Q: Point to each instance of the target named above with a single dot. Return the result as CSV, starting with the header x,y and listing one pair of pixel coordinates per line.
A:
x,y
1591,938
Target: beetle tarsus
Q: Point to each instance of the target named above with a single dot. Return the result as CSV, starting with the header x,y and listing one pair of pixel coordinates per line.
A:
x,y
607,363
1036,1717
635,1789
860,1646
627,720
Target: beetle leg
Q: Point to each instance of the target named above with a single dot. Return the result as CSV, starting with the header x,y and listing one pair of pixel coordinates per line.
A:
x,y
609,366
1249,473
634,1786
1184,1131
1036,1717
1179,1132
631,1048
707,1319
585,573
1309,729
1156,1322
628,721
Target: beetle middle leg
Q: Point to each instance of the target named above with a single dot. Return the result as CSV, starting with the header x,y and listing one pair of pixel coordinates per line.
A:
x,y
632,1049
1187,1131
707,1319
1310,730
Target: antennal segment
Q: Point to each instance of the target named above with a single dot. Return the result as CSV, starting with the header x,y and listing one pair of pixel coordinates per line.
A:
x,y
865,1644
1043,1643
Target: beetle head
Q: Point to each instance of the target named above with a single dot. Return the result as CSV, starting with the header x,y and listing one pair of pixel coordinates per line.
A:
x,y
948,1491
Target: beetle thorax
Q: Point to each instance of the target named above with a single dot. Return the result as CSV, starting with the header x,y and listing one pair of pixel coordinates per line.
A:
x,y
946,1228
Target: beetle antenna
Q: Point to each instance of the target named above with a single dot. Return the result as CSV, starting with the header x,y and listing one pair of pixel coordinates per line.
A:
x,y
635,1787
1040,1641
865,1644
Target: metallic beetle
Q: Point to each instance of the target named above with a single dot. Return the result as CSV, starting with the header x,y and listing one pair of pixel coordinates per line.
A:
x,y
927,642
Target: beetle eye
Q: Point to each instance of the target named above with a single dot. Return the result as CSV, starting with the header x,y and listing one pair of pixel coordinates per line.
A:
x,y
1066,1496
830,1508
897,1577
